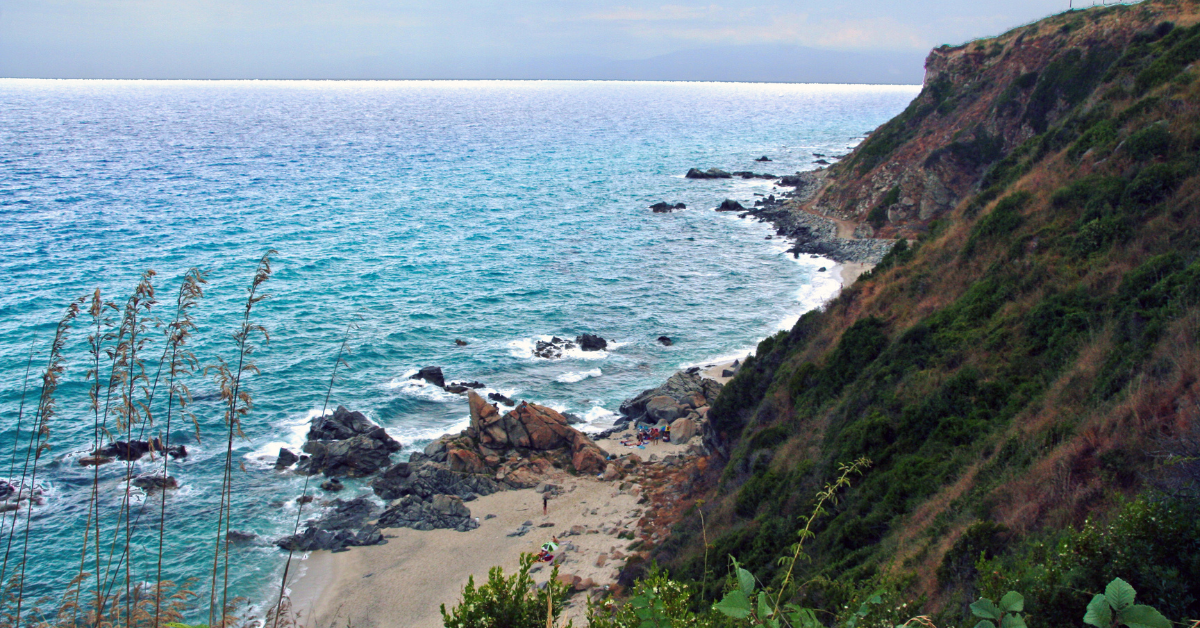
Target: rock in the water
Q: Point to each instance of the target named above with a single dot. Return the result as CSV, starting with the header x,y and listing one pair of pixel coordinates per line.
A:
x,y
94,461
573,419
240,537
711,173
154,482
439,512
456,389
665,341
332,485
495,396
316,539
135,449
730,205
340,425
683,430
591,342
286,459
792,180
666,208
763,158
553,348
460,342
355,457
431,374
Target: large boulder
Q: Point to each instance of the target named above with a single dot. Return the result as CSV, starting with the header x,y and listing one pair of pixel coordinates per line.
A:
x,y
730,205
528,426
346,525
711,173
591,342
355,457
663,408
135,449
431,374
682,387
426,479
340,425
440,511
683,430
465,461
286,459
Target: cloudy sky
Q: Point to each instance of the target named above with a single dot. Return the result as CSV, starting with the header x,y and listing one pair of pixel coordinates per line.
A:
x,y
465,38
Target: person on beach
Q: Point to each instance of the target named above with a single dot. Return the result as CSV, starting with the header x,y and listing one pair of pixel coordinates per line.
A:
x,y
545,503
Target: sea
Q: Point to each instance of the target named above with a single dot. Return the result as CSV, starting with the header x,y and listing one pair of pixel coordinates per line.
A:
x,y
405,216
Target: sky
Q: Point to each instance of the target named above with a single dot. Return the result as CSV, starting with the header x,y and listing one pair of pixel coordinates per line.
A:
x,y
482,39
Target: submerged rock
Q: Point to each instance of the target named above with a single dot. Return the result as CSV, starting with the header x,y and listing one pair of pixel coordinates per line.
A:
x,y
665,341
553,348
154,482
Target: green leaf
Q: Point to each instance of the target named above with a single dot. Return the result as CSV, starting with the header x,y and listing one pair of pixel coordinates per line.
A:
x,y
764,606
803,617
1012,620
1012,602
986,609
735,604
1099,613
1142,616
745,582
1119,594
985,624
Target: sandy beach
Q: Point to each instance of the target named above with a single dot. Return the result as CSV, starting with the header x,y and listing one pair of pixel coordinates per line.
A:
x,y
403,582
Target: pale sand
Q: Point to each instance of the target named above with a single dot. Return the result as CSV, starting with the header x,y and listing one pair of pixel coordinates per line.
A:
x,y
613,445
849,272
714,372
403,582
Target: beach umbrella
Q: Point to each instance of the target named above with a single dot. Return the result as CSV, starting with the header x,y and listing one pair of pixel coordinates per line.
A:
x,y
550,547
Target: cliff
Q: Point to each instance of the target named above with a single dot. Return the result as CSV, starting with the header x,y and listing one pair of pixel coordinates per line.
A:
x,y
1021,368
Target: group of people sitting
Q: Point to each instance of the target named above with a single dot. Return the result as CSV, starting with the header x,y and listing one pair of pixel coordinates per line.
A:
x,y
547,552
649,436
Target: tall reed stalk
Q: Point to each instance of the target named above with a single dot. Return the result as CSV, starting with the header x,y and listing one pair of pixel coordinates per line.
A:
x,y
304,493
238,400
39,439
12,463
182,363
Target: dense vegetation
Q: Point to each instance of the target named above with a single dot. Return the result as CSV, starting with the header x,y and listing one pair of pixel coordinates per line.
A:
x,y
1023,375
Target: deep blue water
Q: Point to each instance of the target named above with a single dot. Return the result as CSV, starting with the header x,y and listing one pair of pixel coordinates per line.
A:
x,y
495,212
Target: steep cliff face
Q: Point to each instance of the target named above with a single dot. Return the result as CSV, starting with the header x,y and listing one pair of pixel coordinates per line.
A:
x,y
980,102
1028,358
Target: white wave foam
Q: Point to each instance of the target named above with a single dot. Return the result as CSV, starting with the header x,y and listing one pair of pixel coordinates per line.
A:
x,y
410,435
419,388
290,434
524,347
598,418
577,376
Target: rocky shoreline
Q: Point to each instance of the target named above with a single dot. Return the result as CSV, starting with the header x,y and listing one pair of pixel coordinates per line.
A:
x,y
812,234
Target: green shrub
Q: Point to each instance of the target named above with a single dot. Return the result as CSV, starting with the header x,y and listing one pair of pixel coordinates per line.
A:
x,y
1152,141
1001,222
507,602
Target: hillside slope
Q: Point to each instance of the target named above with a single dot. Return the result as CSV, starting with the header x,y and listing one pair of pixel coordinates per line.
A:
x,y
1024,363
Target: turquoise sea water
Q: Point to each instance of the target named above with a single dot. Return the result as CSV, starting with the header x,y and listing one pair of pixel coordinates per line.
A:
x,y
495,212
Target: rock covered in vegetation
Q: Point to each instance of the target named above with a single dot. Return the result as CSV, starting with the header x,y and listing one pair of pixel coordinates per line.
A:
x,y
438,512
